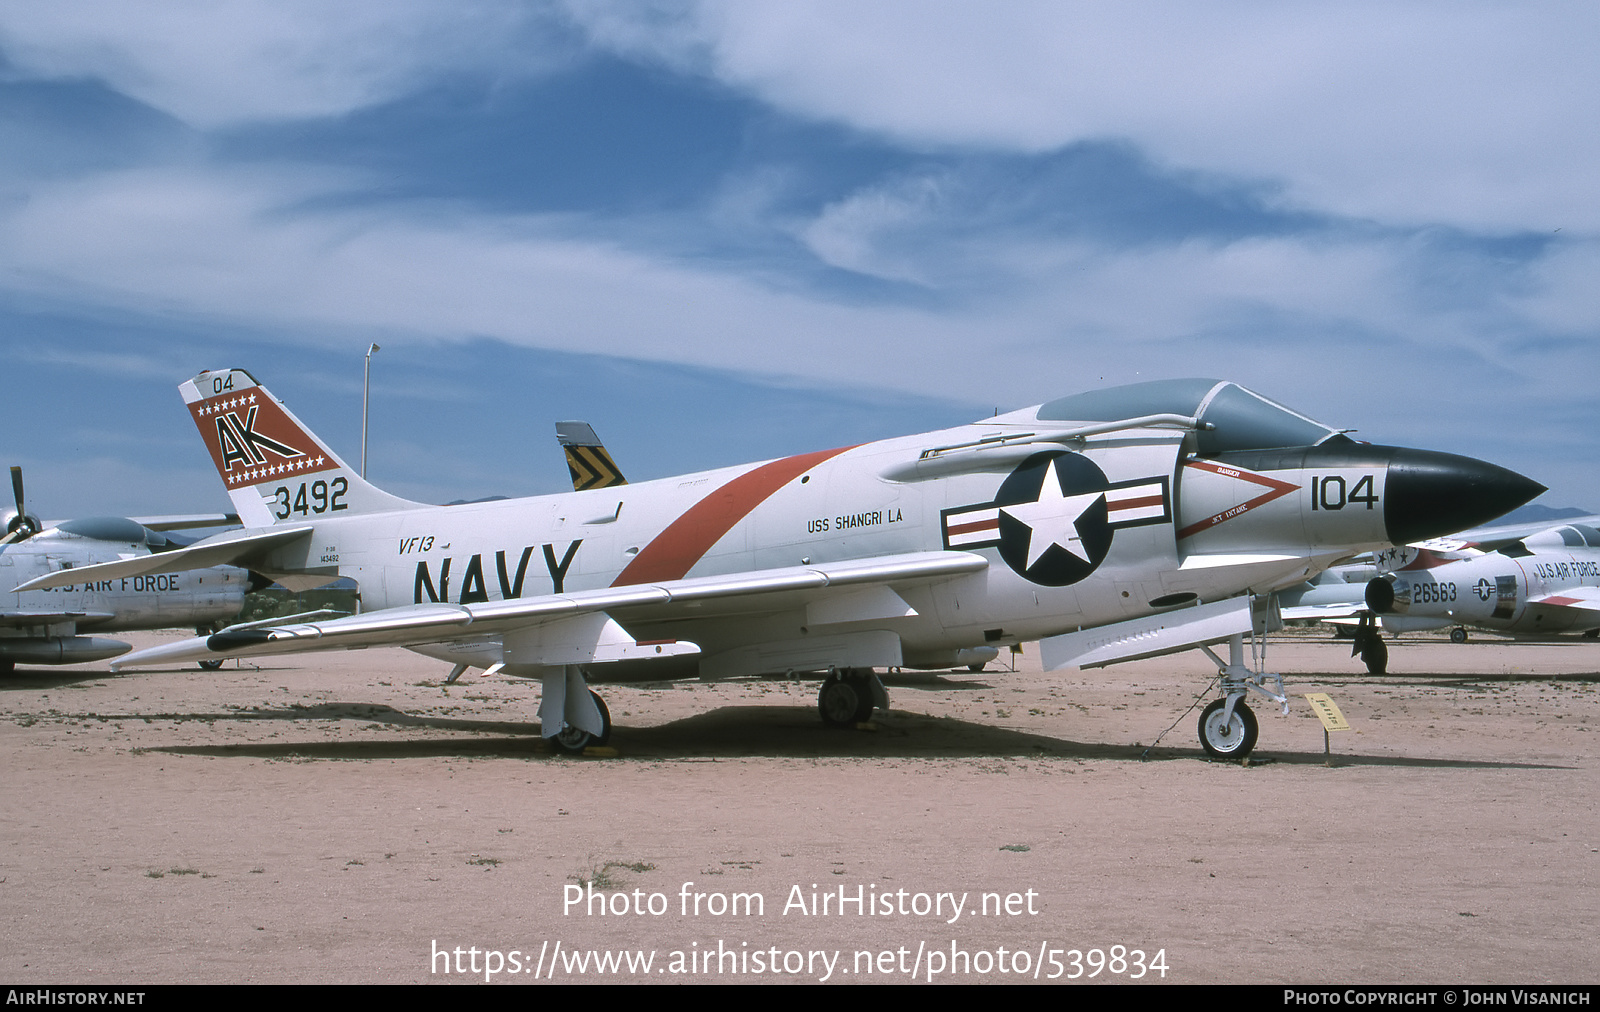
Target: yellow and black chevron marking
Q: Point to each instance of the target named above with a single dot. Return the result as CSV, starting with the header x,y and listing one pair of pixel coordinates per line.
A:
x,y
591,467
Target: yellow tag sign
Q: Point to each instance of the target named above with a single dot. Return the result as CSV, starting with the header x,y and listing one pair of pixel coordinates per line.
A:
x,y
1327,711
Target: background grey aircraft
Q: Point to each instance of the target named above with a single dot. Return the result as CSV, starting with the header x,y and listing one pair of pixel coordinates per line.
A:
x,y
1107,526
1524,581
45,626
1541,585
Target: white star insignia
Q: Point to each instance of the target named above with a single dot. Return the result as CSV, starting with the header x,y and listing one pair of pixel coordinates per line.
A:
x,y
1053,519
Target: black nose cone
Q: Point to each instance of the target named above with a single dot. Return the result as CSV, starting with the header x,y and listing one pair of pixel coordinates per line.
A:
x,y
1428,494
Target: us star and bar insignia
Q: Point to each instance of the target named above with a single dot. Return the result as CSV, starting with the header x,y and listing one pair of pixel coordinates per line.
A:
x,y
1054,517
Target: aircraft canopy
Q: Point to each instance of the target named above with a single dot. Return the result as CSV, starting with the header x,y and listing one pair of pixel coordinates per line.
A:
x,y
1242,419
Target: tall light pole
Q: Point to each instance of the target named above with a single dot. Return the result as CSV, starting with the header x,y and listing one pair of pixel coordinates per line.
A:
x,y
366,382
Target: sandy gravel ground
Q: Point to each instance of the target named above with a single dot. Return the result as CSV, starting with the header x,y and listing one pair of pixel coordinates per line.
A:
x,y
342,817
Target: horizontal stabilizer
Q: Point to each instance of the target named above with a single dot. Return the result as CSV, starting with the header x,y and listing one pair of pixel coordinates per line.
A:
x,y
1147,637
236,548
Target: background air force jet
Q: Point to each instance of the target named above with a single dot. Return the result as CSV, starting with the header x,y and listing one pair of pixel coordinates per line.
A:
x,y
45,626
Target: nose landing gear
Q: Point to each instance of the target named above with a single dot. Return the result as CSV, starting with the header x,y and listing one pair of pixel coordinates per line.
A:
x,y
1227,736
1227,727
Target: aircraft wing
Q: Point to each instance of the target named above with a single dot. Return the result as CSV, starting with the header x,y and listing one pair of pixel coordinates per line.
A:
x,y
573,622
1324,612
236,548
1323,601
37,617
188,521
1488,539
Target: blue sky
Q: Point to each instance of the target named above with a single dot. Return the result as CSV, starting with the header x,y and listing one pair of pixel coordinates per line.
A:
x,y
723,232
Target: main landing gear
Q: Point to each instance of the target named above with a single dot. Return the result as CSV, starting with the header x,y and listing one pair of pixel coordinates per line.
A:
x,y
1369,644
209,630
849,695
575,739
1227,727
571,715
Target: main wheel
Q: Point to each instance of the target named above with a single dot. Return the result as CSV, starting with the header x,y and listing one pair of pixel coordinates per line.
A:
x,y
1375,655
844,702
1458,635
1227,741
215,665
575,739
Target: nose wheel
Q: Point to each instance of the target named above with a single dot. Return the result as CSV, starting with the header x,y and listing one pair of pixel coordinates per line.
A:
x,y
1227,727
1225,737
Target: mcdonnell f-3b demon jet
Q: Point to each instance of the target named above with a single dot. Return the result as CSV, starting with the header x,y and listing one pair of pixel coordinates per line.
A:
x,y
1108,525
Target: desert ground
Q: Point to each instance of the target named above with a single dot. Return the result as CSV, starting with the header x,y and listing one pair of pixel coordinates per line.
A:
x,y
347,818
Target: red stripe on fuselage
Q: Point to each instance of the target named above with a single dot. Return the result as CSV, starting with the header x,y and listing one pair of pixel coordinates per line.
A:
x,y
687,539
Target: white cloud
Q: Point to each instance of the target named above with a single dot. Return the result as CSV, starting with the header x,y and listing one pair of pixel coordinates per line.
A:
x,y
213,63
1562,297
242,249
1474,114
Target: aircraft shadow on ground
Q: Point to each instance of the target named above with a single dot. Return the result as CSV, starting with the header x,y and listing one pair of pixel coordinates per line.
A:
x,y
1433,680
35,678
738,732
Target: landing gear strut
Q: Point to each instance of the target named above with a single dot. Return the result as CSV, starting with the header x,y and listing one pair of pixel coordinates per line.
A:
x,y
1227,727
848,696
1369,644
211,665
573,717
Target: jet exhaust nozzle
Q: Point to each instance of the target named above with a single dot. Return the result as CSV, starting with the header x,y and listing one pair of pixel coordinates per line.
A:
x,y
1388,595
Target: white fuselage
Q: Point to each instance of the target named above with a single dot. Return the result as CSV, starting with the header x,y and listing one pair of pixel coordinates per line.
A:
x,y
864,502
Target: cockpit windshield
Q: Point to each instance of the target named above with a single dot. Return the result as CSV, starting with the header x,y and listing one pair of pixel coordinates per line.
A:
x,y
1241,419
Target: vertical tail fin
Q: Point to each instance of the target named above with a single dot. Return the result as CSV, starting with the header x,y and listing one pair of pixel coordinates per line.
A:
x,y
275,470
587,459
